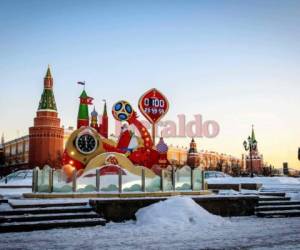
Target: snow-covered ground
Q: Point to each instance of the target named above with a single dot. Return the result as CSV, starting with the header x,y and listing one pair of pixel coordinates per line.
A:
x,y
289,185
14,192
177,223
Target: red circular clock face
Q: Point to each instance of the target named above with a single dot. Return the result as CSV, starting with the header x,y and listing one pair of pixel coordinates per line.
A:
x,y
153,105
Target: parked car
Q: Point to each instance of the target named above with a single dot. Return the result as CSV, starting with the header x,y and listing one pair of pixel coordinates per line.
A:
x,y
215,174
21,177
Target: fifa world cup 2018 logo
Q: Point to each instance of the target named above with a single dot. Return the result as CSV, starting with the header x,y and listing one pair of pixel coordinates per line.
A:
x,y
122,111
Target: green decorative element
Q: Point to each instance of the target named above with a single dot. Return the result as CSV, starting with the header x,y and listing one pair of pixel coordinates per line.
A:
x,y
83,112
110,188
47,100
83,95
133,188
48,73
88,188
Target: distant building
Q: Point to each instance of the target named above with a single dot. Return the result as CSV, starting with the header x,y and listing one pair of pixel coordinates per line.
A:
x,y
193,158
209,160
257,158
285,168
15,155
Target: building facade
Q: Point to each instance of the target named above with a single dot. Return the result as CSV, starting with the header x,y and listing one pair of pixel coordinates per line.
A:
x,y
15,155
208,160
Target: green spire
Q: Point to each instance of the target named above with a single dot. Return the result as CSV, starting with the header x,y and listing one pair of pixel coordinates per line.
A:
x,y
253,134
47,101
83,112
83,95
48,73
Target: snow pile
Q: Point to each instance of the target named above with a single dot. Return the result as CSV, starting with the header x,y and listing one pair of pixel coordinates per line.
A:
x,y
295,196
177,212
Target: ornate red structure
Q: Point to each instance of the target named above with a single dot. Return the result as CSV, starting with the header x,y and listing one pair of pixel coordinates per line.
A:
x,y
46,135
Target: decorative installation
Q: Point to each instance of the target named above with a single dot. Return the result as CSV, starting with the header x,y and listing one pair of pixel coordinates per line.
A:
x,y
89,145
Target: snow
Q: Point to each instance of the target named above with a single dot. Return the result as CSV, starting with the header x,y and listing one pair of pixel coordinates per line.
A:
x,y
17,182
168,225
18,202
289,185
14,192
266,181
181,212
295,196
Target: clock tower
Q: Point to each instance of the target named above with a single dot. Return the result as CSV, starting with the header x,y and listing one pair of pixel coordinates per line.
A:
x,y
46,135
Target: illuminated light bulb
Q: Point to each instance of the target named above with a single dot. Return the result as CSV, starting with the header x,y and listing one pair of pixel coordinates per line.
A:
x,y
72,153
71,162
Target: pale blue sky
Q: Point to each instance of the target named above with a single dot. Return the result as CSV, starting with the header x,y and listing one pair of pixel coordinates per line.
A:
x,y
236,62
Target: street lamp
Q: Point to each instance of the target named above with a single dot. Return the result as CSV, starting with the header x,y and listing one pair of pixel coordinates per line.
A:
x,y
251,146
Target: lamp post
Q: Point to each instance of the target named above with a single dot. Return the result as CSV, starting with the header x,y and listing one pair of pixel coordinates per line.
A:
x,y
250,145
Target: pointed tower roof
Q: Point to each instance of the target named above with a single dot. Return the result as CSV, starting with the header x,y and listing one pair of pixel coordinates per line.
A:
x,y
105,109
193,146
83,95
253,134
94,112
48,73
47,101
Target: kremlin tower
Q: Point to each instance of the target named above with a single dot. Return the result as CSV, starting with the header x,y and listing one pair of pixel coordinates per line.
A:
x,y
257,159
193,159
83,112
46,135
83,118
94,119
162,149
104,123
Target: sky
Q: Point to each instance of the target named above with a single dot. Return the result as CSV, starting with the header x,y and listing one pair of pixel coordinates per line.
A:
x,y
234,62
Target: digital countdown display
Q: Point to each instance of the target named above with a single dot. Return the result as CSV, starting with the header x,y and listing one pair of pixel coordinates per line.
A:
x,y
153,105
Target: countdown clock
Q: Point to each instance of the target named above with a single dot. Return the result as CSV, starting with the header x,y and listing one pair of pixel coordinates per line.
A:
x,y
86,143
153,105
